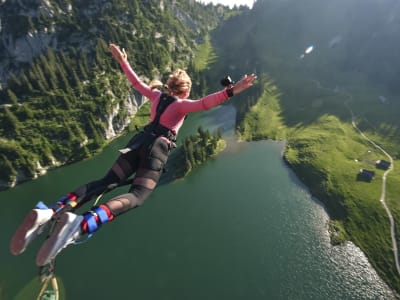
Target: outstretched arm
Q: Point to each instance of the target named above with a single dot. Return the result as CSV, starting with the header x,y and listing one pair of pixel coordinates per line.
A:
x,y
217,98
122,58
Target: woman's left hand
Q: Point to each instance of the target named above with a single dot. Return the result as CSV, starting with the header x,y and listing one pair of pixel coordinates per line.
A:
x,y
119,55
244,83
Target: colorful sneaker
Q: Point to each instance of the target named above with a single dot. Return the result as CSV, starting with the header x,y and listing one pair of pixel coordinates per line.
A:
x,y
33,225
66,231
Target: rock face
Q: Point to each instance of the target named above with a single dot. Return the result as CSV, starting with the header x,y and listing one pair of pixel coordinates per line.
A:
x,y
20,41
116,126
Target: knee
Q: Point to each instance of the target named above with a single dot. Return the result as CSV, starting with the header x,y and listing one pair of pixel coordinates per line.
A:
x,y
128,201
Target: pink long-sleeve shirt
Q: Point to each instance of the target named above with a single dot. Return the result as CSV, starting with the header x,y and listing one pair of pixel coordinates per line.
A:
x,y
175,113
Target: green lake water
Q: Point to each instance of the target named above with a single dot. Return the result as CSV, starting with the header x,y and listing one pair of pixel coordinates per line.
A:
x,y
240,227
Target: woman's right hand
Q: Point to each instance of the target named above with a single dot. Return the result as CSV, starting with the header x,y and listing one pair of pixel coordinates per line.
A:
x,y
244,83
119,55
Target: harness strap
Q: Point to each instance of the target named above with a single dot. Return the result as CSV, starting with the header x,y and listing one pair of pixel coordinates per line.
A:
x,y
65,203
101,213
95,218
91,222
155,127
41,205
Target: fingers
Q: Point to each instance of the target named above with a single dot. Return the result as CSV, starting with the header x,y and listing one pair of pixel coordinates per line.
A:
x,y
119,55
114,48
244,83
248,80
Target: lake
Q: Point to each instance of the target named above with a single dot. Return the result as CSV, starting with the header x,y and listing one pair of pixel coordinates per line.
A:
x,y
241,226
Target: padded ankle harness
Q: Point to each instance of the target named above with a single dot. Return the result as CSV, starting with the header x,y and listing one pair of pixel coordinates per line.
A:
x,y
95,218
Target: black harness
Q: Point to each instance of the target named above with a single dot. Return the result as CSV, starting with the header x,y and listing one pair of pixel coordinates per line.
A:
x,y
154,129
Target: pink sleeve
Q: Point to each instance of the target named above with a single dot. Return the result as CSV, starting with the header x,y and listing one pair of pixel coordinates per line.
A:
x,y
205,103
139,85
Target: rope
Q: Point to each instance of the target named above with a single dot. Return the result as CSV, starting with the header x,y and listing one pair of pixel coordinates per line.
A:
x,y
55,290
47,276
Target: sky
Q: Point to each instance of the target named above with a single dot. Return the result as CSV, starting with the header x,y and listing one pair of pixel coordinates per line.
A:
x,y
230,3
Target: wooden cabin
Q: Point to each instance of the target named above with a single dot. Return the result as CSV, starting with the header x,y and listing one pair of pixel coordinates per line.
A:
x,y
366,175
382,164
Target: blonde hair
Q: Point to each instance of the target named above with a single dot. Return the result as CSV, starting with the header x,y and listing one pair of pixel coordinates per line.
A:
x,y
178,82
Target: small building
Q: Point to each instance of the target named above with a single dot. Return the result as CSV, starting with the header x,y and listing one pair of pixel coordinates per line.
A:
x,y
366,175
382,164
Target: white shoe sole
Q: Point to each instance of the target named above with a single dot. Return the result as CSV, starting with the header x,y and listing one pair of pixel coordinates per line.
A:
x,y
25,233
68,225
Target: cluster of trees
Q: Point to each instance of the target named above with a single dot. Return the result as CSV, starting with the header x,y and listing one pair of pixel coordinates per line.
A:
x,y
198,148
56,109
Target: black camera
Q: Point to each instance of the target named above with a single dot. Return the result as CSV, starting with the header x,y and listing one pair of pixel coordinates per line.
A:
x,y
227,81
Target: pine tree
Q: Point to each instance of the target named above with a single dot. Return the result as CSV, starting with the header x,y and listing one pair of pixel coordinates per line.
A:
x,y
12,97
11,122
26,83
77,82
62,74
48,70
14,83
94,133
46,152
83,66
26,112
189,149
8,172
38,76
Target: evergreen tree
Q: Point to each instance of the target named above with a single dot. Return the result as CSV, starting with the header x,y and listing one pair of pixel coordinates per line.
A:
x,y
26,112
36,75
14,83
26,83
62,74
8,173
10,122
48,70
94,133
77,82
13,98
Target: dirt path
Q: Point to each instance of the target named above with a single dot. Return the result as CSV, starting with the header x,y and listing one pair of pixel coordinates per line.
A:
x,y
383,193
